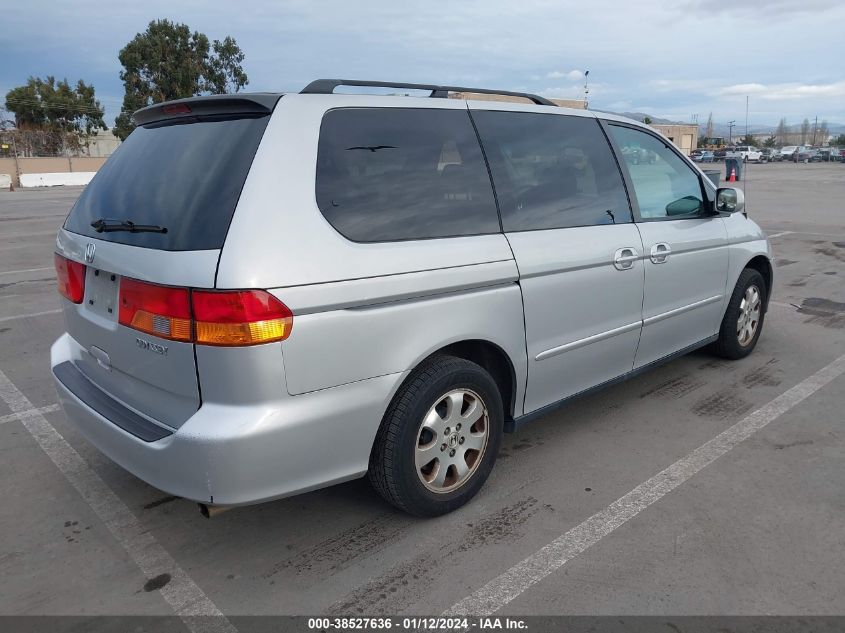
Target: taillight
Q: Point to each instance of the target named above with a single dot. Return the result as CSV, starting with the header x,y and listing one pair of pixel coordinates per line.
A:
x,y
159,310
239,317
71,278
233,317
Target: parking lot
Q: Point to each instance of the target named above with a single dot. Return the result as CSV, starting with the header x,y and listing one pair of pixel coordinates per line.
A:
x,y
757,529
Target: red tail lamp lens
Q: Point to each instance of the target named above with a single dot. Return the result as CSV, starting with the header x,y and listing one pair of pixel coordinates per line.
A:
x,y
163,311
241,317
71,278
177,108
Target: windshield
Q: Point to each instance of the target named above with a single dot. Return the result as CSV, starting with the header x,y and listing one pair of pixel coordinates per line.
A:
x,y
185,177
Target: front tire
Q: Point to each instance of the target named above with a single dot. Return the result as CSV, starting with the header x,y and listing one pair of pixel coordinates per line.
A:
x,y
439,438
743,320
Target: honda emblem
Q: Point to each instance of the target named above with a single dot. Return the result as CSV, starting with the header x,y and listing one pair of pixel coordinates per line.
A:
x,y
89,253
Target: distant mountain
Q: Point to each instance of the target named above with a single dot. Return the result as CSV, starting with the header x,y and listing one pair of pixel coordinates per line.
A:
x,y
640,116
721,129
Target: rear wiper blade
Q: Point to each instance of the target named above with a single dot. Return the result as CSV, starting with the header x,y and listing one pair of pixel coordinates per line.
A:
x,y
106,226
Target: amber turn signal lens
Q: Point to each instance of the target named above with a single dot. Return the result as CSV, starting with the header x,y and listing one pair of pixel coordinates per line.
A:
x,y
239,317
162,311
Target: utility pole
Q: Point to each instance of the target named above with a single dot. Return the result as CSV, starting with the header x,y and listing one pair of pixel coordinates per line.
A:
x,y
731,126
746,117
815,126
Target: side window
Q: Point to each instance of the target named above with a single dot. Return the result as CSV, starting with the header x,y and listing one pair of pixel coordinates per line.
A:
x,y
401,174
665,185
552,171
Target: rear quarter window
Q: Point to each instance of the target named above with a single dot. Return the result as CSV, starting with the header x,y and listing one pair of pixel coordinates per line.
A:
x,y
185,176
389,174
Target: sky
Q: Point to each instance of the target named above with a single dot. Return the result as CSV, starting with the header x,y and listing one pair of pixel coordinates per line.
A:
x,y
673,60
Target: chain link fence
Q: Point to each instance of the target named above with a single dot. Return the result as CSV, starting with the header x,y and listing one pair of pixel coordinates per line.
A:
x,y
15,143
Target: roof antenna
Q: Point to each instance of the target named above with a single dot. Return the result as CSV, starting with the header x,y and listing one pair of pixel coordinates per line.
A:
x,y
586,89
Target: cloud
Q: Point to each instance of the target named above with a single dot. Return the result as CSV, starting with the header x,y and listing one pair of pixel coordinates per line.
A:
x,y
571,75
637,53
785,91
762,9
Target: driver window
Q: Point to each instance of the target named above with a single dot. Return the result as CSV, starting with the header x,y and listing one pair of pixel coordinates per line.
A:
x,y
665,186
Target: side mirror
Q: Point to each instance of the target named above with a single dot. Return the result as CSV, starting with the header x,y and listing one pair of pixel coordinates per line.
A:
x,y
730,200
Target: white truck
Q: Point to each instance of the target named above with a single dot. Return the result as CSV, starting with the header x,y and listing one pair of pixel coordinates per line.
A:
x,y
746,153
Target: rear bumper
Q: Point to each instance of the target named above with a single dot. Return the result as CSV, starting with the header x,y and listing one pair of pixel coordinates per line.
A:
x,y
244,453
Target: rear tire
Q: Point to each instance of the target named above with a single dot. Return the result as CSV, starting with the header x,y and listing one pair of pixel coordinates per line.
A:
x,y
743,320
439,438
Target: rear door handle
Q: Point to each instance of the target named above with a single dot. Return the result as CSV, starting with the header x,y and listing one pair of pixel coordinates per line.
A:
x,y
660,253
625,258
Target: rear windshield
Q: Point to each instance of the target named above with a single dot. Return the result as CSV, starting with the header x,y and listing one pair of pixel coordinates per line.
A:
x,y
184,176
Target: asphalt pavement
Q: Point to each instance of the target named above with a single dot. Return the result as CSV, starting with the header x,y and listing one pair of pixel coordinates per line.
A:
x,y
751,522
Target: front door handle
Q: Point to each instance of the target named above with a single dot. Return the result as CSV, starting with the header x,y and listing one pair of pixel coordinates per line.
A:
x,y
660,253
625,258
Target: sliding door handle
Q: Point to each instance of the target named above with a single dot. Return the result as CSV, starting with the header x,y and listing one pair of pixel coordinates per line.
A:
x,y
660,253
625,258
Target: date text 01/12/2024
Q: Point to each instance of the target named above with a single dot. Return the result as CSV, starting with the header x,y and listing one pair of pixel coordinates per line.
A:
x,y
417,623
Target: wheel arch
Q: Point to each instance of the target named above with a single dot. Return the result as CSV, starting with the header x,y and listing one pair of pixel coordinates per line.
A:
x,y
495,361
763,265
490,356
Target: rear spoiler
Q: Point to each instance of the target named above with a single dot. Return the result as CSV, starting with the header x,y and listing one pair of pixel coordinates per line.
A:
x,y
256,103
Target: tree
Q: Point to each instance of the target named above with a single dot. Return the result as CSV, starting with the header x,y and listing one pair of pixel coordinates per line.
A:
x,y
748,139
709,131
805,131
781,132
227,74
57,114
839,141
770,142
168,61
647,120
824,132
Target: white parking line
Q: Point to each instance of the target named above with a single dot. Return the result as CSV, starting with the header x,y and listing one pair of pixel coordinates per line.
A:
x,y
31,234
830,236
781,234
183,595
26,316
12,417
45,248
512,583
24,270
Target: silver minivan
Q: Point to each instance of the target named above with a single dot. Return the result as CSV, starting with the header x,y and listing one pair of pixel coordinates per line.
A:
x,y
266,294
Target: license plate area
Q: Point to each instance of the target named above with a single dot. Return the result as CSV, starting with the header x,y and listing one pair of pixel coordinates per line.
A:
x,y
101,293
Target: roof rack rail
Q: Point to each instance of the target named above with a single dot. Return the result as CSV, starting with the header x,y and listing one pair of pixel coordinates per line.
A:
x,y
327,87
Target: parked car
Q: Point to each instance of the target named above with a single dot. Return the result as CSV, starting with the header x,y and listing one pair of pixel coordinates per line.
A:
x,y
829,154
704,156
264,294
719,154
769,155
746,153
638,155
788,152
804,154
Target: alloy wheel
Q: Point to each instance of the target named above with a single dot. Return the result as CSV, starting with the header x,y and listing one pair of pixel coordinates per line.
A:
x,y
451,440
